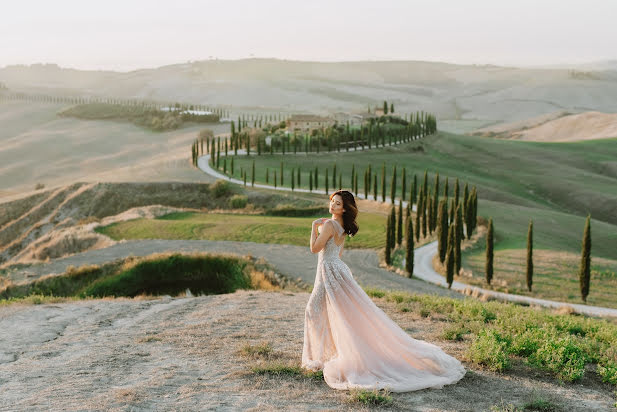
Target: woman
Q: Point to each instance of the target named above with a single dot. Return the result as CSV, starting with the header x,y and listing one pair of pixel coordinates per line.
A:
x,y
347,336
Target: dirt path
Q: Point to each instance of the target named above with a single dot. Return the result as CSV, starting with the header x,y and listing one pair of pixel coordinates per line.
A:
x,y
183,354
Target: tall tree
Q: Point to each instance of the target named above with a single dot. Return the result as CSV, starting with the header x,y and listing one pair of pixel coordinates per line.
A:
x,y
393,226
458,237
450,257
383,182
424,222
389,242
393,185
399,232
442,231
529,271
253,174
391,108
489,252
417,225
414,190
385,107
403,183
326,181
456,190
409,256
584,272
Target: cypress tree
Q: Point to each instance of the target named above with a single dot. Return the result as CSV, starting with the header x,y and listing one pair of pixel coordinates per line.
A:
x,y
442,231
529,271
489,252
334,175
458,237
456,189
282,174
340,180
445,189
409,255
326,181
464,201
253,174
375,187
231,168
367,180
399,232
316,179
385,107
388,240
293,179
275,179
383,183
404,184
584,273
393,185
417,225
353,172
436,191
450,257
424,222
267,175
244,179
393,226
414,190
469,216
355,184
429,211
310,182
425,183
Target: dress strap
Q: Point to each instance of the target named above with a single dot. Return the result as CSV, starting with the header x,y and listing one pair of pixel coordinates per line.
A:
x,y
340,228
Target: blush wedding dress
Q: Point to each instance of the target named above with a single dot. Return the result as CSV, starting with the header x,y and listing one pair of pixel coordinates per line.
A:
x,y
356,344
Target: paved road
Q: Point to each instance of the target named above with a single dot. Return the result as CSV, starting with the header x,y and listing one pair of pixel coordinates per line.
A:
x,y
424,270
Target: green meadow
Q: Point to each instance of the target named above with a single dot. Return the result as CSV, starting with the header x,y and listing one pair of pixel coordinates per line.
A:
x,y
555,184
243,228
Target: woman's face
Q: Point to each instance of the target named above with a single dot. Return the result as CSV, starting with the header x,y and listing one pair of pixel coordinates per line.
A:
x,y
336,205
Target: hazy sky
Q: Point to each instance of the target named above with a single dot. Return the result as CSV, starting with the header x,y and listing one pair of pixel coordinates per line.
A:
x,y
130,34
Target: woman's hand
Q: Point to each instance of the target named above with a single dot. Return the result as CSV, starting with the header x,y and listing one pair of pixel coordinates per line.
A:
x,y
319,221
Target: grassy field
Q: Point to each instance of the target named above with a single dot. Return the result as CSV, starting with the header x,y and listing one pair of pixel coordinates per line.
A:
x,y
555,276
244,228
555,184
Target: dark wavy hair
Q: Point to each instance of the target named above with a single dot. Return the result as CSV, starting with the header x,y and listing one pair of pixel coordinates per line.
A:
x,y
351,211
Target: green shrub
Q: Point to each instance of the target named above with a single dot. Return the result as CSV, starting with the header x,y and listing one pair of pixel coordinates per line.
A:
x,y
238,201
295,211
490,349
375,293
372,397
172,275
608,373
454,332
563,356
220,188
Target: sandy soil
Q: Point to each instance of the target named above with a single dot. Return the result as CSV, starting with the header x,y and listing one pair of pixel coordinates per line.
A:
x,y
557,127
183,354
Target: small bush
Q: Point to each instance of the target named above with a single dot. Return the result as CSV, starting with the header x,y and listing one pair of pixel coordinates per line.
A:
x,y
375,293
238,201
608,373
562,356
490,349
39,186
294,211
220,188
373,397
454,332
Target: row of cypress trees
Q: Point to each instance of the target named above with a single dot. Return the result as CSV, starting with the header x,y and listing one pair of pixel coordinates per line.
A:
x,y
584,271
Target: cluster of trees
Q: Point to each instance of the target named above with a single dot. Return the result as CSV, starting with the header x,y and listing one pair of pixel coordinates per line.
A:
x,y
451,219
382,131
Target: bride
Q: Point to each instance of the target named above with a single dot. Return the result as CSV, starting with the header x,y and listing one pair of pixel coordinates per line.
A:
x,y
347,336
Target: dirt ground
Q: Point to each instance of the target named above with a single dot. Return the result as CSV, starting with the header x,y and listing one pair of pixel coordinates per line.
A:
x,y
184,354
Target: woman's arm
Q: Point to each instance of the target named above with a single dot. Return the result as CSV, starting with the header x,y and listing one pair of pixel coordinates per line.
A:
x,y
319,241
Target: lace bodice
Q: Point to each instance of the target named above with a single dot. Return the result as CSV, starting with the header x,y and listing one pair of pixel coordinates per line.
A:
x,y
331,250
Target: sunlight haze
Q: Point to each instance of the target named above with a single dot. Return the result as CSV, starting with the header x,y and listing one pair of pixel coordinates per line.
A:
x,y
126,35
